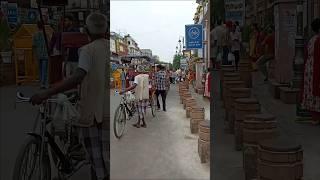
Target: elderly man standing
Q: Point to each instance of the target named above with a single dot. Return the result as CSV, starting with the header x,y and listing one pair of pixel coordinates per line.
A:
x,y
91,74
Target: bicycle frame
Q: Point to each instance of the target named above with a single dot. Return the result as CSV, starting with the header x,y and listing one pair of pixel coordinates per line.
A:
x,y
124,103
46,137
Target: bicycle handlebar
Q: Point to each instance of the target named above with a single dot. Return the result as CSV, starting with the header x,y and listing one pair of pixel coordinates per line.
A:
x,y
21,98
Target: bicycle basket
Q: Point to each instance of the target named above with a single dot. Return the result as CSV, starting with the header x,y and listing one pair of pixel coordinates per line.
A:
x,y
130,97
64,116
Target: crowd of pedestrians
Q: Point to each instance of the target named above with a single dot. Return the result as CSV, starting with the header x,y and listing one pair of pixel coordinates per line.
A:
x,y
231,41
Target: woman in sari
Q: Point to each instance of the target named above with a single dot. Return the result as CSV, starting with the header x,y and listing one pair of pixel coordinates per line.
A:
x,y
207,84
311,89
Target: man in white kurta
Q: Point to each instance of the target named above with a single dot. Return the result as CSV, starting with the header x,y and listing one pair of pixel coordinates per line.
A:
x,y
141,87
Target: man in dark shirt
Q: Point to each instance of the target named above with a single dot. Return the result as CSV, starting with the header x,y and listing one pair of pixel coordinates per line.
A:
x,y
72,53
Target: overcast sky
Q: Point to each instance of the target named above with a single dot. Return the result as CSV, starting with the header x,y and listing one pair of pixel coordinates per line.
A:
x,y
155,25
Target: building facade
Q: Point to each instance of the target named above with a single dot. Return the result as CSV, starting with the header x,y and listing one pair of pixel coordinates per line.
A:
x,y
146,52
202,16
118,47
156,58
133,48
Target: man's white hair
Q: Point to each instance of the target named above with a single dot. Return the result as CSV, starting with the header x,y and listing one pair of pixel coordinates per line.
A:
x,y
97,23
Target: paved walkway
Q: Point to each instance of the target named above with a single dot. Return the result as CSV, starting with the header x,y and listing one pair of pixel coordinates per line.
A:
x,y
228,162
164,150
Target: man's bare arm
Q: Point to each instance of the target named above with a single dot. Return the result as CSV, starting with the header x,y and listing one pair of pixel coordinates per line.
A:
x,y
69,83
129,88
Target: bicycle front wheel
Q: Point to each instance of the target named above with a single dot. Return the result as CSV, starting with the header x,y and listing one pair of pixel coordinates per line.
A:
x,y
119,121
27,162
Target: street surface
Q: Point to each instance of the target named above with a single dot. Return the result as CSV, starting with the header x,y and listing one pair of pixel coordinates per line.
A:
x,y
228,162
164,150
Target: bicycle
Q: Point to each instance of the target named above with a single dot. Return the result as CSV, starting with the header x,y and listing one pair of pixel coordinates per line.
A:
x,y
68,158
126,110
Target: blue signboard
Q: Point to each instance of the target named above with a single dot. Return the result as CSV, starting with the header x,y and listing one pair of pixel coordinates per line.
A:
x,y
12,13
194,36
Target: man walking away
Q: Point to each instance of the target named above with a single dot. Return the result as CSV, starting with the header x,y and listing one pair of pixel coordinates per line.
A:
x,y
161,86
235,36
269,53
226,42
179,72
40,52
91,74
170,76
183,74
141,87
220,33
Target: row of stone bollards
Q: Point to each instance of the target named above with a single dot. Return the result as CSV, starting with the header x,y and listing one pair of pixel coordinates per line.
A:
x,y
267,155
198,124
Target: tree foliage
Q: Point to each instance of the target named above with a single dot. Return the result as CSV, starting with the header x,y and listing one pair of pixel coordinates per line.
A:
x,y
4,35
176,61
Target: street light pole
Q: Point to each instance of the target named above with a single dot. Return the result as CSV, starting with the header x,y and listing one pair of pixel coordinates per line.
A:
x,y
298,63
179,46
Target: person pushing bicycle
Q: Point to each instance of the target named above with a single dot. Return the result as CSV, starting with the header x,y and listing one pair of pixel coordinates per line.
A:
x,y
141,87
91,74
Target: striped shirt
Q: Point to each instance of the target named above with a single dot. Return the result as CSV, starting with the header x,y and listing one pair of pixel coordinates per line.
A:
x,y
161,80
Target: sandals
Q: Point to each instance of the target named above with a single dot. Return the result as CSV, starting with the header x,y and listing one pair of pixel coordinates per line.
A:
x,y
136,125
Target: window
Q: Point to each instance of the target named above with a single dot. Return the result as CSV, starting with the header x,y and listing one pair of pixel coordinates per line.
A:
x,y
129,42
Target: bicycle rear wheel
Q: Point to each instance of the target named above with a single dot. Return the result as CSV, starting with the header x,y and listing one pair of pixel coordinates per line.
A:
x,y
119,121
27,162
153,104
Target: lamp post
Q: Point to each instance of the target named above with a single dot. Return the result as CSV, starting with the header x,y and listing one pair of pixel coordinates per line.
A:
x,y
179,46
298,63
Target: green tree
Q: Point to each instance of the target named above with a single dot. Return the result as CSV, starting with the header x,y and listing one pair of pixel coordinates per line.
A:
x,y
176,61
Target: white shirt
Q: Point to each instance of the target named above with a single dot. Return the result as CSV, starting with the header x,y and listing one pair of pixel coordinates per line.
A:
x,y
142,89
220,35
92,59
85,62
